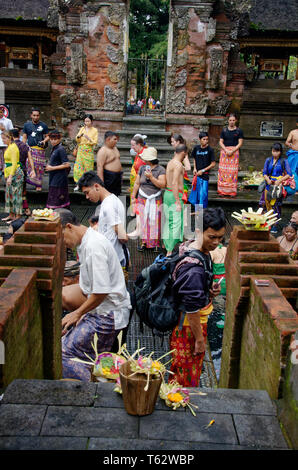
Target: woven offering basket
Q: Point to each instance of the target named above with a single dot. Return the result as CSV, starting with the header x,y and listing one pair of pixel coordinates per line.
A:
x,y
136,400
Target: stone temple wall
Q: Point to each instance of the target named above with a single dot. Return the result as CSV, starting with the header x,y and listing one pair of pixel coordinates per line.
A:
x,y
89,67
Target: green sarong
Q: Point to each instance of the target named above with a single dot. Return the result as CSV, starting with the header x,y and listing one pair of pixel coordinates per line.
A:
x,y
172,230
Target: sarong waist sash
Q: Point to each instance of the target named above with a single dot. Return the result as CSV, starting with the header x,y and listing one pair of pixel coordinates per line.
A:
x,y
150,209
184,195
204,313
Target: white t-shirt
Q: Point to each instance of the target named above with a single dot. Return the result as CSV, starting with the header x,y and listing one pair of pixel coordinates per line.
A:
x,y
110,213
8,126
101,273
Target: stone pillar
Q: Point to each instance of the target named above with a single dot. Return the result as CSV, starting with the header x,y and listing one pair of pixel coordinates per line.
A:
x,y
90,64
202,79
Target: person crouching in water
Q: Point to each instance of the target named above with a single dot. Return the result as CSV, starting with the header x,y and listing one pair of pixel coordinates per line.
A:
x,y
58,196
194,290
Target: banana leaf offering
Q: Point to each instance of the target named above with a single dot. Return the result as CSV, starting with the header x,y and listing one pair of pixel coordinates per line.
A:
x,y
256,220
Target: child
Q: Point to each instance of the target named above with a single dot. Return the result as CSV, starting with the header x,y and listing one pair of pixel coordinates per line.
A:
x,y
276,171
204,160
58,196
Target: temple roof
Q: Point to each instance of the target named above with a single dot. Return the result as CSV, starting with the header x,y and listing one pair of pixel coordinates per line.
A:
x,y
274,15
26,10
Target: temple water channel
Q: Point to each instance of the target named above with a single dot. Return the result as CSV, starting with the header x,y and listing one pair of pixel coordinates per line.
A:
x,y
70,58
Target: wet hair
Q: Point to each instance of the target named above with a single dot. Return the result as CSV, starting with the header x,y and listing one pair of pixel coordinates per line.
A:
x,y
155,162
36,110
94,219
67,217
213,217
89,116
181,148
55,134
277,147
138,140
110,134
15,132
203,134
292,225
178,138
89,179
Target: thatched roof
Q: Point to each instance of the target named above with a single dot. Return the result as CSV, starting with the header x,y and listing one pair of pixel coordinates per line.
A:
x,y
26,10
274,15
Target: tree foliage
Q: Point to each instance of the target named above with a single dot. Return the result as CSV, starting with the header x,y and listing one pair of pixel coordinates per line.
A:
x,y
148,28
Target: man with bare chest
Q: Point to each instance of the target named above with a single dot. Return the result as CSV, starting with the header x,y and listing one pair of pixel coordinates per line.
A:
x,y
292,154
109,167
172,201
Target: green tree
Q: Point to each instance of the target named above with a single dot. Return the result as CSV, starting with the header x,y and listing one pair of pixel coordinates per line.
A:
x,y
148,28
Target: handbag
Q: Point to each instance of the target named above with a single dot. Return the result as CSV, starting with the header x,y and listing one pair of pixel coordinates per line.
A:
x,y
262,186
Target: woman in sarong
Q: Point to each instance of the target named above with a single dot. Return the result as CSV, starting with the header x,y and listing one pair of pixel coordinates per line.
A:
x,y
14,179
276,171
148,185
137,147
87,139
231,139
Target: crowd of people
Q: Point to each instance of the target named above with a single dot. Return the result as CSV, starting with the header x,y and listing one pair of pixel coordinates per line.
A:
x,y
100,302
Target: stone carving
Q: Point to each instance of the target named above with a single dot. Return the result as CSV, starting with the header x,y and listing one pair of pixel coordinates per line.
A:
x,y
113,35
211,30
113,100
176,102
76,73
220,105
84,24
183,39
116,73
182,59
182,17
113,54
181,78
216,56
204,12
115,14
199,105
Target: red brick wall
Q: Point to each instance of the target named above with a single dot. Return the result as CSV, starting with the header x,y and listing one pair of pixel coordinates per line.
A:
x,y
39,247
260,321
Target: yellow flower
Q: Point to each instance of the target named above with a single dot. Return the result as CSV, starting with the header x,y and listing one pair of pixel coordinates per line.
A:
x,y
156,365
175,397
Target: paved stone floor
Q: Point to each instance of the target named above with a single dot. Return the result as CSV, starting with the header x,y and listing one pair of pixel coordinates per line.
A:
x,y
72,415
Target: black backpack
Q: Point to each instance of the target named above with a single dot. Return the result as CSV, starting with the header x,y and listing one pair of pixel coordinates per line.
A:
x,y
154,300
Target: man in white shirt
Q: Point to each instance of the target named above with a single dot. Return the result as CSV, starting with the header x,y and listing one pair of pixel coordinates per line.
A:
x,y
5,125
99,304
111,214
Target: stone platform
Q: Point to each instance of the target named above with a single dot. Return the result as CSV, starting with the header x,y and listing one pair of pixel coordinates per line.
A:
x,y
73,415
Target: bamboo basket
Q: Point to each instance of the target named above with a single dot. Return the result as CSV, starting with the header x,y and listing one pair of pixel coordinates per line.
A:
x,y
136,400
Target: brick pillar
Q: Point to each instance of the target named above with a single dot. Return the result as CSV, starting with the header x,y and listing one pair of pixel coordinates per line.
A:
x,y
253,255
39,245
89,67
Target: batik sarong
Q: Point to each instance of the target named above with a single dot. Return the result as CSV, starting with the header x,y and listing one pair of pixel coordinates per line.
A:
x,y
77,341
172,230
39,162
58,197
150,229
228,173
84,161
2,164
199,192
13,193
186,367
113,181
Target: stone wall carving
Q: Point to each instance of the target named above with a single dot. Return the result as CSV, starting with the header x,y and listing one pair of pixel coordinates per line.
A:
x,y
76,69
216,60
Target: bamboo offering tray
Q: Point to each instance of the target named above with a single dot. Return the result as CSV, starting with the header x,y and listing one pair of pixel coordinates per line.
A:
x,y
45,214
256,220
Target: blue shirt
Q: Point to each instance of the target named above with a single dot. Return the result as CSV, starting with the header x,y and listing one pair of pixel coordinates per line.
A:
x,y
35,132
58,178
281,168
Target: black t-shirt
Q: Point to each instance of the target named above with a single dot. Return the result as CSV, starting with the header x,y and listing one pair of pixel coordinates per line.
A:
x,y
203,158
35,132
231,138
58,178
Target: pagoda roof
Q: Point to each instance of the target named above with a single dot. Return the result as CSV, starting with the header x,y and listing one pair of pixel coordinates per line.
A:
x,y
25,10
274,15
